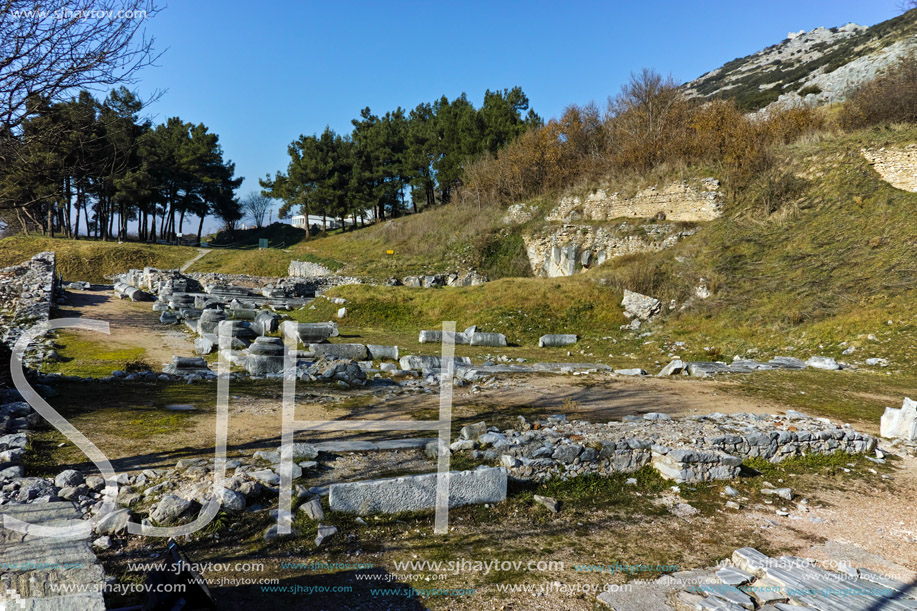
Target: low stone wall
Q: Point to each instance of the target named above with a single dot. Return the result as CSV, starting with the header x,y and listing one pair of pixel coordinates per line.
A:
x,y
897,167
307,269
694,449
468,278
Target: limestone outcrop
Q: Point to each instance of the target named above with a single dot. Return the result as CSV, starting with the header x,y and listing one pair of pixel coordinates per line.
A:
x,y
897,167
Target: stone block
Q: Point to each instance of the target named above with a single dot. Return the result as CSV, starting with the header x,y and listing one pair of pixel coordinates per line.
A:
x,y
418,492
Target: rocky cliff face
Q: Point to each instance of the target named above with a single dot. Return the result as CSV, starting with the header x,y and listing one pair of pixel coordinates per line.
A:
x,y
570,249
694,201
821,66
584,232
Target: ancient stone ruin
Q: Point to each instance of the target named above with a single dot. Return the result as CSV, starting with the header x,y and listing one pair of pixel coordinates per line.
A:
x,y
27,292
693,449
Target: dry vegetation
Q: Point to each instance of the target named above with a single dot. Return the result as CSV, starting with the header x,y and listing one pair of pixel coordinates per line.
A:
x,y
891,98
649,124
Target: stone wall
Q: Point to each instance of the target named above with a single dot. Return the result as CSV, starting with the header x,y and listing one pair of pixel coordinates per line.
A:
x,y
694,201
158,281
693,449
897,167
570,249
26,295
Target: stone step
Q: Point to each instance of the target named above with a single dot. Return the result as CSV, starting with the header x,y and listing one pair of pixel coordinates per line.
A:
x,y
44,552
336,447
36,572
84,602
51,583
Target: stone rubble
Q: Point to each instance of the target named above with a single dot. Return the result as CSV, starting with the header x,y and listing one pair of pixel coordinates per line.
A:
x,y
469,278
27,292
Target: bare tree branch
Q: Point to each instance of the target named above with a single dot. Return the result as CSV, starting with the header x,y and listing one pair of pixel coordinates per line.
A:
x,y
47,52
256,206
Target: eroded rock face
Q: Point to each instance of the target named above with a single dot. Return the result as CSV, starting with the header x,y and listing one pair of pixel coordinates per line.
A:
x,y
897,167
566,250
694,201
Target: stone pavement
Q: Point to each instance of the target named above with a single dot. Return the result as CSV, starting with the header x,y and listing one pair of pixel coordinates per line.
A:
x,y
35,570
753,581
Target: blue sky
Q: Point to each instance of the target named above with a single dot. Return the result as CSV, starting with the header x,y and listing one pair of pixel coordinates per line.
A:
x,y
261,75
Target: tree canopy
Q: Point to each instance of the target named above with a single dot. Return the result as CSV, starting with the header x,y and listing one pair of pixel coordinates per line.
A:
x,y
100,164
403,158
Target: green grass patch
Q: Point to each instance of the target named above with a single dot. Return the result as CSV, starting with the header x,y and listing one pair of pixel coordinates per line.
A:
x,y
592,490
154,422
80,356
523,309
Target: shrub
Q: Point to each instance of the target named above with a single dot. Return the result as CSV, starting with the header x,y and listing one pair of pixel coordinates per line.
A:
x,y
890,98
813,89
649,124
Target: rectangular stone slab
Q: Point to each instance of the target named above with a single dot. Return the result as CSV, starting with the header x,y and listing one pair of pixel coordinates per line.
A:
x,y
356,352
418,492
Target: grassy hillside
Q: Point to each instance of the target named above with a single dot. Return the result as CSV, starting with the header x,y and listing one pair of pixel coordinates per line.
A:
x,y
815,258
838,248
817,253
93,261
449,238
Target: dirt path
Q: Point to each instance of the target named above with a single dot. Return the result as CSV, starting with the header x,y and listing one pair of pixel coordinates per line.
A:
x,y
200,254
862,524
131,325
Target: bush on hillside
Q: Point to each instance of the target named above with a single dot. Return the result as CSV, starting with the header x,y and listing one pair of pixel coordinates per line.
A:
x,y
890,98
648,125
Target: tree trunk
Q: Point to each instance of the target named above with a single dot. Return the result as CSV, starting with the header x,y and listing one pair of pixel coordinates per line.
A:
x,y
80,204
111,219
22,221
69,196
162,223
41,226
200,229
